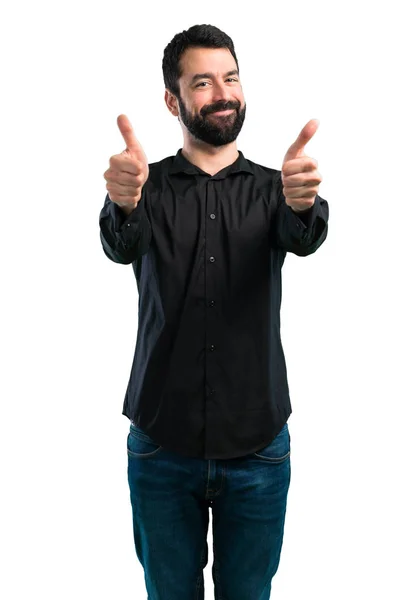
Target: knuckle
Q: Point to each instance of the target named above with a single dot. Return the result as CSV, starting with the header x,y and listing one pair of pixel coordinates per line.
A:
x,y
315,179
115,161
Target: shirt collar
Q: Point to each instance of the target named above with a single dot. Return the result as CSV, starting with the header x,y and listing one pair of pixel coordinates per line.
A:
x,y
181,165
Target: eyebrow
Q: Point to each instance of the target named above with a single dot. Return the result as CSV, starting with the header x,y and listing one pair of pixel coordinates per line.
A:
x,y
210,75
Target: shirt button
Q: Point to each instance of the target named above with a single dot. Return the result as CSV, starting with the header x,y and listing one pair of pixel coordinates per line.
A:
x,y
212,259
212,348
211,303
212,216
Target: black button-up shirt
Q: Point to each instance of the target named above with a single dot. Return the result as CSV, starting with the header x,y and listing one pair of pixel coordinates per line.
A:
x,y
209,377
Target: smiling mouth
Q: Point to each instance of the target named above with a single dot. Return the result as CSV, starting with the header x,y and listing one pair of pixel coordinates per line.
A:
x,y
223,112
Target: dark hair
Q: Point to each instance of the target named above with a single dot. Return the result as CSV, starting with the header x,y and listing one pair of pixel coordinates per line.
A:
x,y
198,36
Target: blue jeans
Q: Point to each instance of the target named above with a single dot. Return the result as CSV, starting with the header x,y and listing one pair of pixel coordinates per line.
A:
x,y
171,496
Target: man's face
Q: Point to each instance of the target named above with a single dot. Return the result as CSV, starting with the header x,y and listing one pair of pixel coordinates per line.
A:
x,y
208,85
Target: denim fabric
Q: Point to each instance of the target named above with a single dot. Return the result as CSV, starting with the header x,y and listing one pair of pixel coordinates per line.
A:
x,y
171,496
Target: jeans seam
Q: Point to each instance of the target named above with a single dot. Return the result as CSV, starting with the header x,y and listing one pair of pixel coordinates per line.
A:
x,y
201,571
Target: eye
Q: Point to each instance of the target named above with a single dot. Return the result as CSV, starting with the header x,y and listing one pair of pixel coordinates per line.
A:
x,y
229,79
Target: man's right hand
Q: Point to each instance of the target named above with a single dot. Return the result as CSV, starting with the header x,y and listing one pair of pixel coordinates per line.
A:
x,y
128,171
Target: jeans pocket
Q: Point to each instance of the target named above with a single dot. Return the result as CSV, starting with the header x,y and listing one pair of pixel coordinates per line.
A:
x,y
278,450
139,444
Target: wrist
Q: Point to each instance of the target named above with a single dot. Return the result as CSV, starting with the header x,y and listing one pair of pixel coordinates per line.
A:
x,y
128,209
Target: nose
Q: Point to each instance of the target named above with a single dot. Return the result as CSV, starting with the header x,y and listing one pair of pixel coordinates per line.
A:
x,y
221,93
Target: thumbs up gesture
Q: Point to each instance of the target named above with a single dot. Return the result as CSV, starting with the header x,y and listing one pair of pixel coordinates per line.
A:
x,y
300,177
128,171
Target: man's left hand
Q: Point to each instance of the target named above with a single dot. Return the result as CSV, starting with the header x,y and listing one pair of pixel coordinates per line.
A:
x,y
300,177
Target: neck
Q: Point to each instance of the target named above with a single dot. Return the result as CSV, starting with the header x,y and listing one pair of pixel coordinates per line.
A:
x,y
210,159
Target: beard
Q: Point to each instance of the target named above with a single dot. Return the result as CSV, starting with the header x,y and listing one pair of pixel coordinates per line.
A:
x,y
216,131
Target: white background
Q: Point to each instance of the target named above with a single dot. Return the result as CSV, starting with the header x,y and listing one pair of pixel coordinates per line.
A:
x,y
69,314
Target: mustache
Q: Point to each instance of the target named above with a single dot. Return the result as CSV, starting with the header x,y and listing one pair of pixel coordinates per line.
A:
x,y
217,107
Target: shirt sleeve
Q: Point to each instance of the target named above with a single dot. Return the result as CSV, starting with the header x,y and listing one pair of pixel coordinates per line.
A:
x,y
124,238
300,233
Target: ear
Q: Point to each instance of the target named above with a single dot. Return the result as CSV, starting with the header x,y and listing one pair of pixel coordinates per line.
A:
x,y
171,102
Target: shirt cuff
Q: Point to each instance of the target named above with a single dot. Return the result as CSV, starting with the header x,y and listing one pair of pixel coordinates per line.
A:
x,y
306,216
121,221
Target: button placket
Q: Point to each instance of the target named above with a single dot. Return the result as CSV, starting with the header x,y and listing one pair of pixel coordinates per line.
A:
x,y
212,236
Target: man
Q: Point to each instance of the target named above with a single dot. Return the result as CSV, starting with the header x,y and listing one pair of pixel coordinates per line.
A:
x,y
207,232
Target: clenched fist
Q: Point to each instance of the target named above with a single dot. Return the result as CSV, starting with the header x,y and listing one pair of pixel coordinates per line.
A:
x,y
128,171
